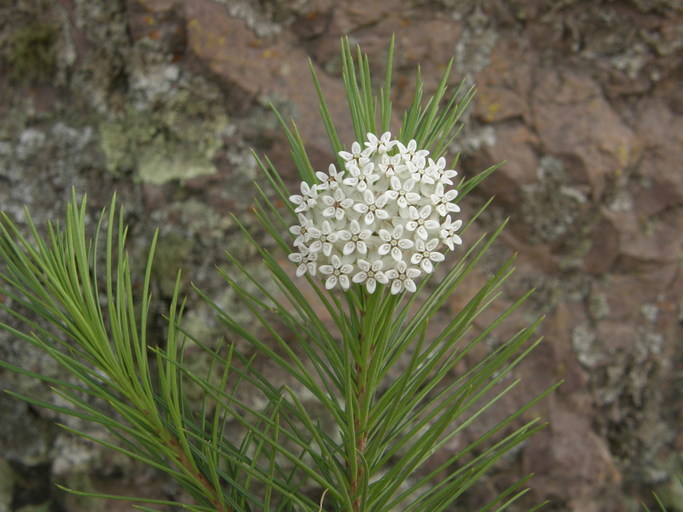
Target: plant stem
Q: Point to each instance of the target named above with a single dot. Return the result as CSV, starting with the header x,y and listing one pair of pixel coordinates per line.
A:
x,y
361,439
186,464
366,340
179,456
183,462
360,431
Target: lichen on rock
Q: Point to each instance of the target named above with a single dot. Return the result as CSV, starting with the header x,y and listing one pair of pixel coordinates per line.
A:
x,y
176,140
551,204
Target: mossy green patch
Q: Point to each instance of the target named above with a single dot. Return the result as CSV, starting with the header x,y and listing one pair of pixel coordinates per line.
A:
x,y
172,250
175,142
7,478
31,54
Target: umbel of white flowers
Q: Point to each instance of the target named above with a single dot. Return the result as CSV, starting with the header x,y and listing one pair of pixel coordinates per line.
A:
x,y
386,218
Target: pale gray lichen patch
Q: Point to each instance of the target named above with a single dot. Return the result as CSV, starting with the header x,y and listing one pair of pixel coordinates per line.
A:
x,y
472,52
648,344
253,17
473,138
650,311
585,344
174,141
621,198
38,163
30,140
550,204
598,306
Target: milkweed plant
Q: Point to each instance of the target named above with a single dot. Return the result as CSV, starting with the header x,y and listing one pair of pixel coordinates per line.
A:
x,y
377,389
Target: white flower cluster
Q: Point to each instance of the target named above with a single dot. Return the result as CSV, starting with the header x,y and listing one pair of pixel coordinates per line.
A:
x,y
384,219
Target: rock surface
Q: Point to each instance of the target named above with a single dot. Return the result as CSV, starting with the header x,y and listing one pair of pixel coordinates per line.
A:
x,y
162,99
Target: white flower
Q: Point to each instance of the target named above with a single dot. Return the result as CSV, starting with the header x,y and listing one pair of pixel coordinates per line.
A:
x,y
402,192
304,231
448,233
439,170
306,260
385,219
331,180
412,154
391,165
307,199
420,221
403,277
381,145
336,203
325,239
362,179
337,272
421,174
443,200
372,207
370,274
358,156
355,238
394,243
425,254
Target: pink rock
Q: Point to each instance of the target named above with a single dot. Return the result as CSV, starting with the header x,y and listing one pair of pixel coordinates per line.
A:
x,y
571,116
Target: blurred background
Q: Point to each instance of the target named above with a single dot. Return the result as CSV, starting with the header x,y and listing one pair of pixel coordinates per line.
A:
x,y
161,101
